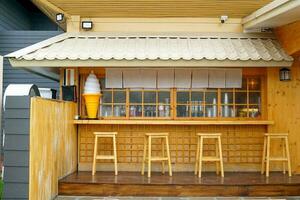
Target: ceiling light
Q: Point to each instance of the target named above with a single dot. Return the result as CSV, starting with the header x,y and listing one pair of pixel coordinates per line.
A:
x,y
59,17
87,25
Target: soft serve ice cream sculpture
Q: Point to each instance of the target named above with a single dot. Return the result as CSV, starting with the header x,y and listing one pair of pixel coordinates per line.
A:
x,y
92,95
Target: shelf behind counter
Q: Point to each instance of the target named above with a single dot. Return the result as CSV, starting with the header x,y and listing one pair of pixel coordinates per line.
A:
x,y
173,122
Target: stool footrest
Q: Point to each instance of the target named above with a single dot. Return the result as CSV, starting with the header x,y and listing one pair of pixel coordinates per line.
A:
x,y
158,158
278,159
105,157
210,158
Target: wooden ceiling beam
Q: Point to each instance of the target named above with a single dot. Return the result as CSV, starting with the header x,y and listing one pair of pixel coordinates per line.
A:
x,y
51,10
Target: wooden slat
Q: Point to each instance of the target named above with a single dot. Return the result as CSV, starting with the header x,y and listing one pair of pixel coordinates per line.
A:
x,y
159,8
53,146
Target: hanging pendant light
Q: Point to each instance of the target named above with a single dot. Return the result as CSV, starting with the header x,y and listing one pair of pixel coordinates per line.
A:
x,y
285,74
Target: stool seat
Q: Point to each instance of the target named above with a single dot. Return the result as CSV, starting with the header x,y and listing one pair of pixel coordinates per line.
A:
x,y
148,141
157,134
218,158
209,134
105,133
96,157
266,158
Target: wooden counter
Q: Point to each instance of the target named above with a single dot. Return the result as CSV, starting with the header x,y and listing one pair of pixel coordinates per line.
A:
x,y
176,122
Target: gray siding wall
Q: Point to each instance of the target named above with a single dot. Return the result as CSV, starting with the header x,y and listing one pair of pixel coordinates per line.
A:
x,y
16,148
13,16
14,40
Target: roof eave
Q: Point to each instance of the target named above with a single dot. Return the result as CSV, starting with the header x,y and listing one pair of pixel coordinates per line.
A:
x,y
148,63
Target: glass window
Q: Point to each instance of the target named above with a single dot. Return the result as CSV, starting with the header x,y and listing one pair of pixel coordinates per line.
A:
x,y
183,97
107,97
227,97
211,97
119,97
135,97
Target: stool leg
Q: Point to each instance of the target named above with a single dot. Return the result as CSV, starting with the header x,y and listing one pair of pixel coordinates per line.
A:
x,y
268,157
263,156
115,155
149,156
283,155
95,155
200,157
169,157
197,156
163,155
288,156
217,155
221,156
144,155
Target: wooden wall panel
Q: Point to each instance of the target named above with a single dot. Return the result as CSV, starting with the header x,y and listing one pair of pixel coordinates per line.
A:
x,y
289,37
242,145
53,146
284,109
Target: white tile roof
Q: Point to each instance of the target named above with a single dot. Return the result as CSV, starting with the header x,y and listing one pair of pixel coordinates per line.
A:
x,y
219,47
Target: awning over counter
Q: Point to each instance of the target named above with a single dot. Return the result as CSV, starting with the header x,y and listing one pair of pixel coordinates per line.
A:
x,y
146,50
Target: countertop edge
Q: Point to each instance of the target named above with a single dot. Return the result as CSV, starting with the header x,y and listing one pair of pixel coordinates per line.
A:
x,y
175,122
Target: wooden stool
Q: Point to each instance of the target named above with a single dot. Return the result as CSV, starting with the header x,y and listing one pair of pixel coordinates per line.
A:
x,y
149,137
199,155
285,152
105,157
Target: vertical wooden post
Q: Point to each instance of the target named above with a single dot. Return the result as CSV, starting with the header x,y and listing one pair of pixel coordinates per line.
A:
x,y
144,155
200,157
197,156
268,156
168,154
95,154
264,156
149,156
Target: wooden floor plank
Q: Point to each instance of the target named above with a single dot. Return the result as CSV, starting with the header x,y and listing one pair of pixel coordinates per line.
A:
x,y
181,184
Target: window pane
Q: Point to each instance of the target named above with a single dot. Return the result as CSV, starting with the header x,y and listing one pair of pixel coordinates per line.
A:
x,y
183,97
254,97
197,97
183,111
227,111
119,111
135,97
241,111
254,83
150,97
227,97
164,97
150,111
107,97
119,97
211,97
211,111
163,111
106,111
254,111
197,110
135,111
241,97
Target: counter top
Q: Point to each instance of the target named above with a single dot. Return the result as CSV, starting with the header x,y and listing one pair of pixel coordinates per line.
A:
x,y
175,122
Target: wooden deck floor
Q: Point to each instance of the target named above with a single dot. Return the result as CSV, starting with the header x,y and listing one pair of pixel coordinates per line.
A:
x,y
181,184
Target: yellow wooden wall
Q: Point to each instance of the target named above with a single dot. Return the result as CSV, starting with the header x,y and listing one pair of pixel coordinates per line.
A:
x,y
53,146
284,109
242,145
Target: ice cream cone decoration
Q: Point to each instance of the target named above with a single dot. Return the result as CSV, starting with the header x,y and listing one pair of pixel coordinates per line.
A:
x,y
92,95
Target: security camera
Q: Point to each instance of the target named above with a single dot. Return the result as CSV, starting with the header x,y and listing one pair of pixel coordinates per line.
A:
x,y
223,19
